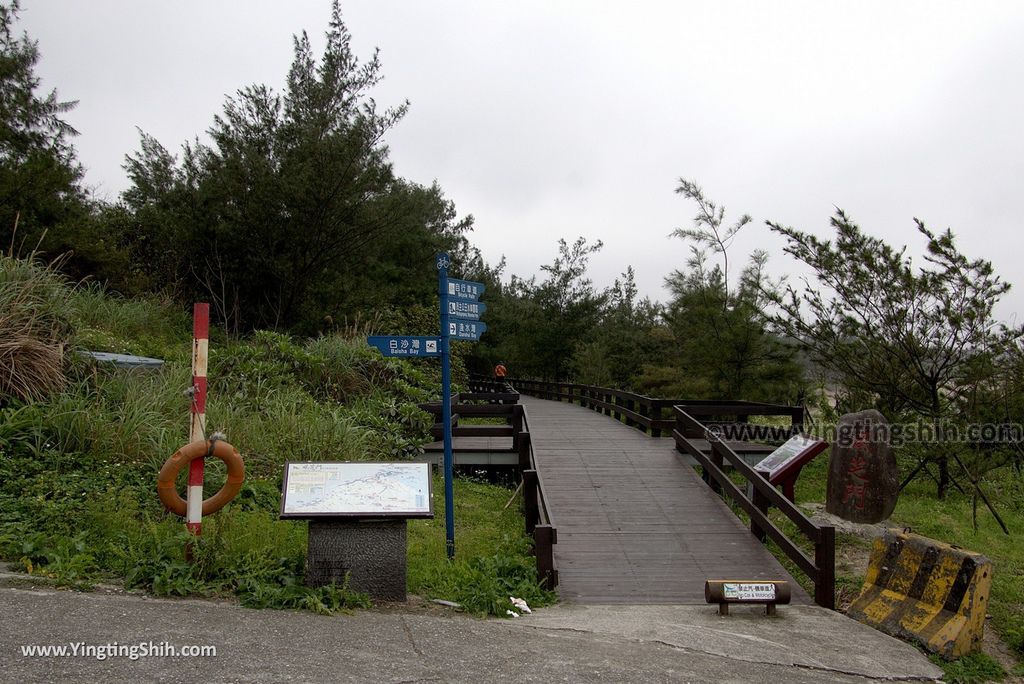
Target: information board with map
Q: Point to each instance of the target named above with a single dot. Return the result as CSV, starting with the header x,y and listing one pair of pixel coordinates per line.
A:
x,y
357,489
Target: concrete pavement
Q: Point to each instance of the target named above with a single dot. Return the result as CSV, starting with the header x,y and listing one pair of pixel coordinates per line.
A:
x,y
564,643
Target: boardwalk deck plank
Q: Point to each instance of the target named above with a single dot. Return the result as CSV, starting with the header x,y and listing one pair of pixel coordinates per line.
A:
x,y
635,524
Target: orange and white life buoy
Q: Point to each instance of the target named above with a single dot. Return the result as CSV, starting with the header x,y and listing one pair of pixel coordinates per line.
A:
x,y
169,496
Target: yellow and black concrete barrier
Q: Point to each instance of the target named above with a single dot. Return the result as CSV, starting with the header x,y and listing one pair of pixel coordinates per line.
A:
x,y
926,591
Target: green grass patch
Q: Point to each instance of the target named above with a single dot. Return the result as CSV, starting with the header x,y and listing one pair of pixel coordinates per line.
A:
x,y
78,465
492,560
975,668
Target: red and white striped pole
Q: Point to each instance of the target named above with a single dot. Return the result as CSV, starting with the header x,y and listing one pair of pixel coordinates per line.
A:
x,y
197,429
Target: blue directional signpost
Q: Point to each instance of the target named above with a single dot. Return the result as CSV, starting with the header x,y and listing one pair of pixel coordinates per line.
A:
x,y
460,320
406,345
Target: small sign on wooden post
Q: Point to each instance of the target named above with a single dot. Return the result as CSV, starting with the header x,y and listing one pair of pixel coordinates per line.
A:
x,y
768,592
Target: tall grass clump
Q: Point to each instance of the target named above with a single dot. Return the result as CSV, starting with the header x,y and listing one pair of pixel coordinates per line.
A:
x,y
35,330
105,321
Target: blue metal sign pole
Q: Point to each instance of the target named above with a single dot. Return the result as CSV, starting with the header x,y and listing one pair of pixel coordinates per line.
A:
x,y
446,406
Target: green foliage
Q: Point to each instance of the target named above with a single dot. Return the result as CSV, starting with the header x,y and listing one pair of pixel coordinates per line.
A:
x,y
721,347
917,341
40,197
537,326
626,338
975,668
105,321
910,336
68,560
293,216
483,585
492,554
78,469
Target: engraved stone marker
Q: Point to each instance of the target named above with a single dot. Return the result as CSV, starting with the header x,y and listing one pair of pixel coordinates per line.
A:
x,y
863,479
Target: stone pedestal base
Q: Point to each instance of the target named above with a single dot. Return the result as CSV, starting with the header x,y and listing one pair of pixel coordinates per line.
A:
x,y
371,551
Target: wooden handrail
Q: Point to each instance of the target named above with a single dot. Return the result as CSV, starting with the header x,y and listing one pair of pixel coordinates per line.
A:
x,y
539,520
820,569
651,415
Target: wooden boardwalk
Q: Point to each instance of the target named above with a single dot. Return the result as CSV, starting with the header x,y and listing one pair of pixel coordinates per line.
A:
x,y
635,525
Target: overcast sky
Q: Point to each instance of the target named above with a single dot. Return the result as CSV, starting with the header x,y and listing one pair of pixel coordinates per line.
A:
x,y
559,119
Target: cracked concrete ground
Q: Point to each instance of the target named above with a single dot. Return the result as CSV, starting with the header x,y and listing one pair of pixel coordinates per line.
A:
x,y
565,643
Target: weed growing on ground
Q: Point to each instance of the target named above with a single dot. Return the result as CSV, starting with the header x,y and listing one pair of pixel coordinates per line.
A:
x,y
975,668
492,560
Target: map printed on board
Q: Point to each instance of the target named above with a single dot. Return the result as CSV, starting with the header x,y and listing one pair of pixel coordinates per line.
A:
x,y
797,446
357,489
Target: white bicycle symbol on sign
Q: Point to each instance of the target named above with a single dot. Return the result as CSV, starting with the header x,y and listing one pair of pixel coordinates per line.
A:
x,y
442,261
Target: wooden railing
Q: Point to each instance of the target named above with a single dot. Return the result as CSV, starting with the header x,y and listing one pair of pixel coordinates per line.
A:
x,y
539,521
479,384
644,413
649,415
498,405
822,568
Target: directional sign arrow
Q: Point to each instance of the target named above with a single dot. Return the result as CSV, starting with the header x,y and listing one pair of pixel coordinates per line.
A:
x,y
465,289
459,329
461,308
406,345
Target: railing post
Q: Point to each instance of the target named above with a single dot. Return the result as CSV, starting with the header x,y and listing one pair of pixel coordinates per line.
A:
x,y
523,446
630,406
617,401
544,539
743,433
655,415
517,424
762,504
825,562
531,509
716,460
645,411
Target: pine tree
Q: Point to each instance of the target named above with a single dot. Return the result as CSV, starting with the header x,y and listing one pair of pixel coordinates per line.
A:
x,y
39,174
